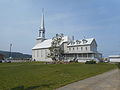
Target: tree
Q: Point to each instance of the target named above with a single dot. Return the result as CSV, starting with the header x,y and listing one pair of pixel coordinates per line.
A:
x,y
56,49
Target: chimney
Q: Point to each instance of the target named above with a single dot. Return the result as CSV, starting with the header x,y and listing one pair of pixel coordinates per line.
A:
x,y
73,38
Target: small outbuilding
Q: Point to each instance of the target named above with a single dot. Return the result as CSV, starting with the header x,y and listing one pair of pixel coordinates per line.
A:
x,y
114,58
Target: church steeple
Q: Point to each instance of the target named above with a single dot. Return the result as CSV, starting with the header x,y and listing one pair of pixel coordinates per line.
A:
x,y
42,27
42,21
41,36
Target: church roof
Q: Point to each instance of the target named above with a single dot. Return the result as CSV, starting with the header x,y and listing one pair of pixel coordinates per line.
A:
x,y
47,43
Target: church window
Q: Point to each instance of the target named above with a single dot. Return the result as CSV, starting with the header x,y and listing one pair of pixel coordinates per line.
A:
x,y
41,53
77,48
46,53
69,49
34,53
81,48
37,53
73,48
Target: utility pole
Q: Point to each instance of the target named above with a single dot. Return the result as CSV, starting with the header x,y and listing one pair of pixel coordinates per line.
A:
x,y
10,51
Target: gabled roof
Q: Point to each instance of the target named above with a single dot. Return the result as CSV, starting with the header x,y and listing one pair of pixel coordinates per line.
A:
x,y
81,42
47,43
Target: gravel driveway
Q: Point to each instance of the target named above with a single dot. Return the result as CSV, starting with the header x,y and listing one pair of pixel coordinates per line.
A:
x,y
106,81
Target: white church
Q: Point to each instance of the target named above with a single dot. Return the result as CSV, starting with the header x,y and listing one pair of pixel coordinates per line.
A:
x,y
82,50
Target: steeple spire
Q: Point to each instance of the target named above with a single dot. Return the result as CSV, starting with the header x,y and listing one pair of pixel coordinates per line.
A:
x,y
42,27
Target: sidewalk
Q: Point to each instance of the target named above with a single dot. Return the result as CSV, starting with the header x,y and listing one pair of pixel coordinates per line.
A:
x,y
106,81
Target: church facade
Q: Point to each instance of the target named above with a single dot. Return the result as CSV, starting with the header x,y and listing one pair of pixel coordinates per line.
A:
x,y
81,50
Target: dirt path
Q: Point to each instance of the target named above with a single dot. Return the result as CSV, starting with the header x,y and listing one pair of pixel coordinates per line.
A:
x,y
106,81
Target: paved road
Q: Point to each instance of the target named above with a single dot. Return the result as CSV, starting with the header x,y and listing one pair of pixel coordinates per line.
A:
x,y
106,81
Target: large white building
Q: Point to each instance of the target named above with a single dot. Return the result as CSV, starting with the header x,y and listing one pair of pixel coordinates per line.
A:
x,y
82,50
114,58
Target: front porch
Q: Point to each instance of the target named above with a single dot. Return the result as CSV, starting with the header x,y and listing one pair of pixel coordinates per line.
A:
x,y
81,57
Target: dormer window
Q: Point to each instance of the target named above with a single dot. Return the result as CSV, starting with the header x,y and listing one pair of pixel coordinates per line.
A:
x,y
84,41
68,43
78,42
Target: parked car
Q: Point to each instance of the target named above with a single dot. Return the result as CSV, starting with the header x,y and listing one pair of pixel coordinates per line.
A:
x,y
7,61
2,61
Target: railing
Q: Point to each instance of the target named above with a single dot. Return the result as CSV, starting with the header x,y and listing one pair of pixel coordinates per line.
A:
x,y
71,58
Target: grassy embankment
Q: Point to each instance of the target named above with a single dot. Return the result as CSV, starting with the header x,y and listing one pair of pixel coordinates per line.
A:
x,y
34,75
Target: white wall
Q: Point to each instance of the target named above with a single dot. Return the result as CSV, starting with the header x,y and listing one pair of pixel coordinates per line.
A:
x,y
77,49
41,55
65,47
115,59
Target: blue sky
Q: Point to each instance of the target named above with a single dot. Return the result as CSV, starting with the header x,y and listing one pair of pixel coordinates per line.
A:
x,y
20,22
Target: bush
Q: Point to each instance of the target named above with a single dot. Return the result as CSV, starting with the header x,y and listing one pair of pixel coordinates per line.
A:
x,y
118,65
90,62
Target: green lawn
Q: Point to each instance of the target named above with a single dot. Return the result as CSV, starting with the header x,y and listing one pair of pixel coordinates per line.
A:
x,y
39,76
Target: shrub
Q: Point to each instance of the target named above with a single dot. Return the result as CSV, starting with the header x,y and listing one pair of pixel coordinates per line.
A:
x,y
90,62
118,65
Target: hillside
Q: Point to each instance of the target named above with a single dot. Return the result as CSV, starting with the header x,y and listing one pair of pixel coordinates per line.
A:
x,y
16,55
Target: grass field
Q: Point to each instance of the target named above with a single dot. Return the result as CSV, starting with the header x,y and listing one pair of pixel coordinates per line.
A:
x,y
39,76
